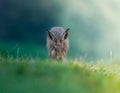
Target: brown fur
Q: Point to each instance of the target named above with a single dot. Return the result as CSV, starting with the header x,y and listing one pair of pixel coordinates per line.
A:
x,y
57,43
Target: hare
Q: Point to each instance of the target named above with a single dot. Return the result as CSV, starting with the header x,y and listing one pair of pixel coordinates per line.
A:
x,y
57,43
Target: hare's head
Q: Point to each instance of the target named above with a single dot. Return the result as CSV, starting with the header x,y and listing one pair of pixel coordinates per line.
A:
x,y
58,35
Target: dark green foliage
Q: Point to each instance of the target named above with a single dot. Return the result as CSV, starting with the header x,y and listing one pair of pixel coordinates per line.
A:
x,y
27,20
10,49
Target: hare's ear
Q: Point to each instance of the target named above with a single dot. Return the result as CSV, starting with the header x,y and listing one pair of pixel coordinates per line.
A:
x,y
51,36
65,34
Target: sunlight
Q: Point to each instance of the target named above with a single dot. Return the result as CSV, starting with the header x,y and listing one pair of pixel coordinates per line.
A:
x,y
96,22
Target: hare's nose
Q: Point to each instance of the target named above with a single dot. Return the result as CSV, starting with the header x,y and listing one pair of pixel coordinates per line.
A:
x,y
58,43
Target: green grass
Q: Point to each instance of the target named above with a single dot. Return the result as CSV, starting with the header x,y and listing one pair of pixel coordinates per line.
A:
x,y
19,49
46,76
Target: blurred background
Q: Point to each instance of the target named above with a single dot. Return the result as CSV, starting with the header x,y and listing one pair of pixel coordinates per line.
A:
x,y
94,27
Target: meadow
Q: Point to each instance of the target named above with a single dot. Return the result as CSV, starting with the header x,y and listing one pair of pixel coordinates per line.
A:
x,y
94,37
35,75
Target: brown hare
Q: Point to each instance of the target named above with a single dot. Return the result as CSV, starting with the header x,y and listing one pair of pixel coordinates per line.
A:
x,y
57,43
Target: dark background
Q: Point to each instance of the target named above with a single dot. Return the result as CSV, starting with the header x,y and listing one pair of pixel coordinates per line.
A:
x,y
94,27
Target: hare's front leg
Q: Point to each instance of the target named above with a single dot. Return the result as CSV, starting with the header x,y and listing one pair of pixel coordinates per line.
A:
x,y
52,54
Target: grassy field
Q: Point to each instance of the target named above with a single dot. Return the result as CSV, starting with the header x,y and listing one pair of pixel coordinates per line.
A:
x,y
46,76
